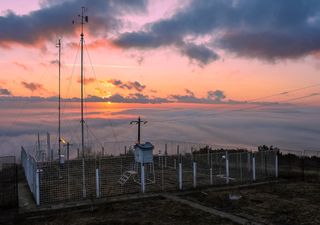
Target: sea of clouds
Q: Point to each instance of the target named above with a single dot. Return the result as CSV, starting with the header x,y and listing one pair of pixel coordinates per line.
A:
x,y
285,126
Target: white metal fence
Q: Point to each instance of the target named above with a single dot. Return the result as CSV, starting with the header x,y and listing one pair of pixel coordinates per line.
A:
x,y
31,172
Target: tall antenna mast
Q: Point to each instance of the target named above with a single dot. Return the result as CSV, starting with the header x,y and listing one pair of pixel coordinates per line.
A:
x,y
59,104
83,20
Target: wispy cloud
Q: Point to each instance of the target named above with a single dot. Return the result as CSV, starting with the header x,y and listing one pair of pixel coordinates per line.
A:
x,y
87,80
135,85
213,97
22,66
5,92
32,86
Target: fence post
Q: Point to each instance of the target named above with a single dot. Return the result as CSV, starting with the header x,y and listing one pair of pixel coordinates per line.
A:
x,y
277,165
180,176
175,164
84,192
38,187
240,165
249,161
303,156
142,179
68,149
98,183
253,167
211,177
227,168
194,174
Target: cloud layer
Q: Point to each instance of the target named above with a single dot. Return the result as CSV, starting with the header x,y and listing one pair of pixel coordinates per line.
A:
x,y
281,126
269,30
55,18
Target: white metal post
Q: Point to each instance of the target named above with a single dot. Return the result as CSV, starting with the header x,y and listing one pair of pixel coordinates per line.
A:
x,y
211,177
38,187
142,179
180,176
277,166
98,183
227,168
253,167
194,174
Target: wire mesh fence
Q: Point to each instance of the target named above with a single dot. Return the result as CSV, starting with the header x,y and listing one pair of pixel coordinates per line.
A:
x,y
174,167
8,182
30,166
303,165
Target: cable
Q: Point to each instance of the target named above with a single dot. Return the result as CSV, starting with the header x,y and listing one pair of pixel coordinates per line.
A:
x,y
248,108
284,92
64,105
98,86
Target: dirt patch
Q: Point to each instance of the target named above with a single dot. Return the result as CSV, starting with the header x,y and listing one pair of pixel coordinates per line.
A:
x,y
154,211
279,203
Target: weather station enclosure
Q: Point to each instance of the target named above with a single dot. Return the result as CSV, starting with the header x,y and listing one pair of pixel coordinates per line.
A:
x,y
143,153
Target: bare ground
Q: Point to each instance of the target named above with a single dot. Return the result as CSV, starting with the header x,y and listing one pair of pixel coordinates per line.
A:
x,y
289,203
152,211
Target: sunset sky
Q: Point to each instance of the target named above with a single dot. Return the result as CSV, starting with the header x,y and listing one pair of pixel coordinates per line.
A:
x,y
224,54
162,50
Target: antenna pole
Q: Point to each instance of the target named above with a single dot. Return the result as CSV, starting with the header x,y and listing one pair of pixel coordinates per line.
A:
x,y
59,104
82,120
138,122
84,19
139,129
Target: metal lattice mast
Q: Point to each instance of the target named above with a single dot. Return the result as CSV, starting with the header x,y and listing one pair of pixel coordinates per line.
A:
x,y
83,20
59,103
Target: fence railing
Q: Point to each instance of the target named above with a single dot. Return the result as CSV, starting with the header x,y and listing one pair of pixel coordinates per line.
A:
x,y
103,176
